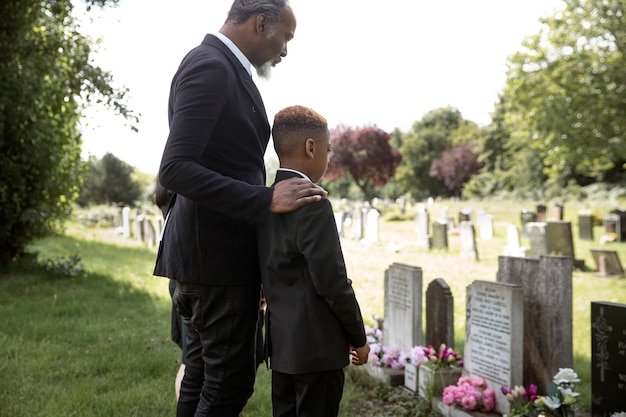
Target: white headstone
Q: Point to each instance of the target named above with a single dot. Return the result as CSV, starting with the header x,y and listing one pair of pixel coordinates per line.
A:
x,y
403,306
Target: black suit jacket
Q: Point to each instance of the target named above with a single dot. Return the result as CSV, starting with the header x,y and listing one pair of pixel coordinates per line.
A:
x,y
312,313
213,162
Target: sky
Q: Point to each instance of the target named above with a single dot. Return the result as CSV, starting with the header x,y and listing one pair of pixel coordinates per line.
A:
x,y
356,62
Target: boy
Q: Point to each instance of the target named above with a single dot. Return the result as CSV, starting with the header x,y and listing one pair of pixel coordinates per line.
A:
x,y
314,324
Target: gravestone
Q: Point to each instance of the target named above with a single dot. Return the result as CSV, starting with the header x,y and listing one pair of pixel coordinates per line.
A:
x,y
585,226
126,222
371,228
403,306
621,214
536,234
527,216
513,247
422,222
439,314
465,215
556,213
608,358
547,284
612,225
357,223
468,241
559,235
440,235
541,213
494,335
339,222
484,222
608,262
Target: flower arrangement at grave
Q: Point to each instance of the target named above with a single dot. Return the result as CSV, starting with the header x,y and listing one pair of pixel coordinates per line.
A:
x,y
445,357
383,356
471,394
558,403
522,399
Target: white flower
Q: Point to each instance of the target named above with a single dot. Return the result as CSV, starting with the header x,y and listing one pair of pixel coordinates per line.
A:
x,y
565,376
568,392
551,402
622,414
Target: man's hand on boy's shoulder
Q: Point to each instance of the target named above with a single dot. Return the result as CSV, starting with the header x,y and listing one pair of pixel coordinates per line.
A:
x,y
294,193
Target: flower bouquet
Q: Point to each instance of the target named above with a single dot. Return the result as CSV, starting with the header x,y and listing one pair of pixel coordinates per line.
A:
x,y
558,403
440,368
470,394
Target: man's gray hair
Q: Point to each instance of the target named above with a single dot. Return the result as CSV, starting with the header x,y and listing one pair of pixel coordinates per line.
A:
x,y
241,10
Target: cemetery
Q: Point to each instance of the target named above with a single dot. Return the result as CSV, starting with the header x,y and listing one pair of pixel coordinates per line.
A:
x,y
511,284
503,302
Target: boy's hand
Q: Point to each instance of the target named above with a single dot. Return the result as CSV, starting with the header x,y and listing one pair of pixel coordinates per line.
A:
x,y
359,355
294,193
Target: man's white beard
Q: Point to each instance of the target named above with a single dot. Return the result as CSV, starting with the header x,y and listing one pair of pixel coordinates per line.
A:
x,y
265,70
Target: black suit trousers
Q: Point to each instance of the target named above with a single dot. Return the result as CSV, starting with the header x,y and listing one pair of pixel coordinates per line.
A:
x,y
307,395
220,324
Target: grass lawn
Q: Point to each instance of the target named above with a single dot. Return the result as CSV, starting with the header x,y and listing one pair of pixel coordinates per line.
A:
x,y
98,343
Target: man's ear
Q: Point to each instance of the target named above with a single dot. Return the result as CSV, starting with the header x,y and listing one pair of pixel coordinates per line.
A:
x,y
309,148
261,23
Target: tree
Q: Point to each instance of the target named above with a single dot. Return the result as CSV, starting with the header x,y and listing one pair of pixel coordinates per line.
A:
x,y
365,154
46,79
420,147
565,92
109,181
455,167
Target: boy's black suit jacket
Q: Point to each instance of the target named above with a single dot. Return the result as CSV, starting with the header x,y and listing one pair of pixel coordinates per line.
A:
x,y
312,312
213,162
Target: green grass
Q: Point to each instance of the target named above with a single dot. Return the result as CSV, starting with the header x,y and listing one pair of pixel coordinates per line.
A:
x,y
98,344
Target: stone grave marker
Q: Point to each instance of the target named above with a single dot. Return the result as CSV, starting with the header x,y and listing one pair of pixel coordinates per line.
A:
x,y
612,225
403,306
608,262
484,222
339,215
494,336
536,234
585,226
559,235
422,222
527,216
439,314
372,217
621,214
126,222
608,358
513,247
440,235
547,284
468,241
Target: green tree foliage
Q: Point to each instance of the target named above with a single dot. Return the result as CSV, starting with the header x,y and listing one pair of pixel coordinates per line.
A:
x,y
565,96
45,79
109,181
510,168
365,154
420,147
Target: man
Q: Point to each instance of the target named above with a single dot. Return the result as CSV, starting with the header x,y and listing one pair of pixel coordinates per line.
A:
x,y
213,163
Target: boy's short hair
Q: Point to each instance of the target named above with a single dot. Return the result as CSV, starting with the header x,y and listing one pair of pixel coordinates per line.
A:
x,y
294,123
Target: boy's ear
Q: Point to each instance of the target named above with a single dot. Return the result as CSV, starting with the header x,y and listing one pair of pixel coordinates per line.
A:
x,y
309,147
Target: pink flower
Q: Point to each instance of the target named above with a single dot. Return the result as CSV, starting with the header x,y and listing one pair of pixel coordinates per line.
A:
x,y
469,402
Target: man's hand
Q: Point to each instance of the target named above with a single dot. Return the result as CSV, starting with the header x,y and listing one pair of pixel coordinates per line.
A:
x,y
359,356
293,193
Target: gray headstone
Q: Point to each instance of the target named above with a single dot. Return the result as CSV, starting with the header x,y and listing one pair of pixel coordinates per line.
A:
x,y
468,241
513,247
585,227
608,358
536,234
403,306
528,216
422,222
126,221
612,224
559,235
484,222
440,235
547,284
439,314
339,221
494,335
608,262
372,217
